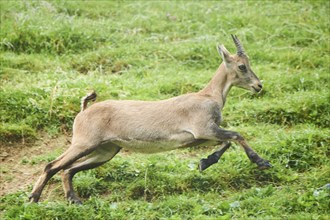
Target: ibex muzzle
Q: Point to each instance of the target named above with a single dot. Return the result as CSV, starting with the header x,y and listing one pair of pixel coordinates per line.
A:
x,y
101,130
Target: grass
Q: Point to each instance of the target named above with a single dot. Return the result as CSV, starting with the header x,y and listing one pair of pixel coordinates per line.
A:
x,y
53,52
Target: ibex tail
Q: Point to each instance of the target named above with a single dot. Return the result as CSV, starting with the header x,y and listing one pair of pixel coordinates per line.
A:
x,y
89,97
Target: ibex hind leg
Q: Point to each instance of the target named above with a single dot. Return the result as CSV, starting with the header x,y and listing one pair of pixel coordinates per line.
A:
x,y
98,157
72,154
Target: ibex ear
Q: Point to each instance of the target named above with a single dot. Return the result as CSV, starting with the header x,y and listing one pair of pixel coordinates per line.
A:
x,y
224,53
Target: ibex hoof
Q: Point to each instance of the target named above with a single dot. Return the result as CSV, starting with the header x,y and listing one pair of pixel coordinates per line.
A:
x,y
265,164
203,165
33,198
75,200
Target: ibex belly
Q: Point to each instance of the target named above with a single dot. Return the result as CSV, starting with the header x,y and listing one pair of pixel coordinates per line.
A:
x,y
158,144
148,146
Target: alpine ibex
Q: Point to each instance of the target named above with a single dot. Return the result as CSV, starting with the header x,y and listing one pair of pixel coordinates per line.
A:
x,y
101,130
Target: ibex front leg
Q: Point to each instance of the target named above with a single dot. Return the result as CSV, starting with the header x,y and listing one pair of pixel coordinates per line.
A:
x,y
225,135
253,156
214,157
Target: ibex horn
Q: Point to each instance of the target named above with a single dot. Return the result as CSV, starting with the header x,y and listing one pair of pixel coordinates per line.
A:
x,y
240,50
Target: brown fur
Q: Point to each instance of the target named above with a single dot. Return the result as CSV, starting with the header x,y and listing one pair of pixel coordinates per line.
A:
x,y
101,130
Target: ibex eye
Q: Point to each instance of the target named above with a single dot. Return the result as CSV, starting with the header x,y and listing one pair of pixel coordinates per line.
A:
x,y
242,67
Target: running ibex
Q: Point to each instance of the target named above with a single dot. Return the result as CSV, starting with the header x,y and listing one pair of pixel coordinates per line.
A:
x,y
101,130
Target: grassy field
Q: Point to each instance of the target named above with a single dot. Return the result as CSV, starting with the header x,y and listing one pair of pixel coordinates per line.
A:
x,y
54,52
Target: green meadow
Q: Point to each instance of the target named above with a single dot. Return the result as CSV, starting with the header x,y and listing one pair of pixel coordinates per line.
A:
x,y
54,52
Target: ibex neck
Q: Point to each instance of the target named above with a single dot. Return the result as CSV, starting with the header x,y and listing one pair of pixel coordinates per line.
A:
x,y
219,86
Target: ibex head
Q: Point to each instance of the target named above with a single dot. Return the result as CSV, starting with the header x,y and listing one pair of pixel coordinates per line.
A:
x,y
238,68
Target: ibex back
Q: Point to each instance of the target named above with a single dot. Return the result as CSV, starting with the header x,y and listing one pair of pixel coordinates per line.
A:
x,y
101,130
